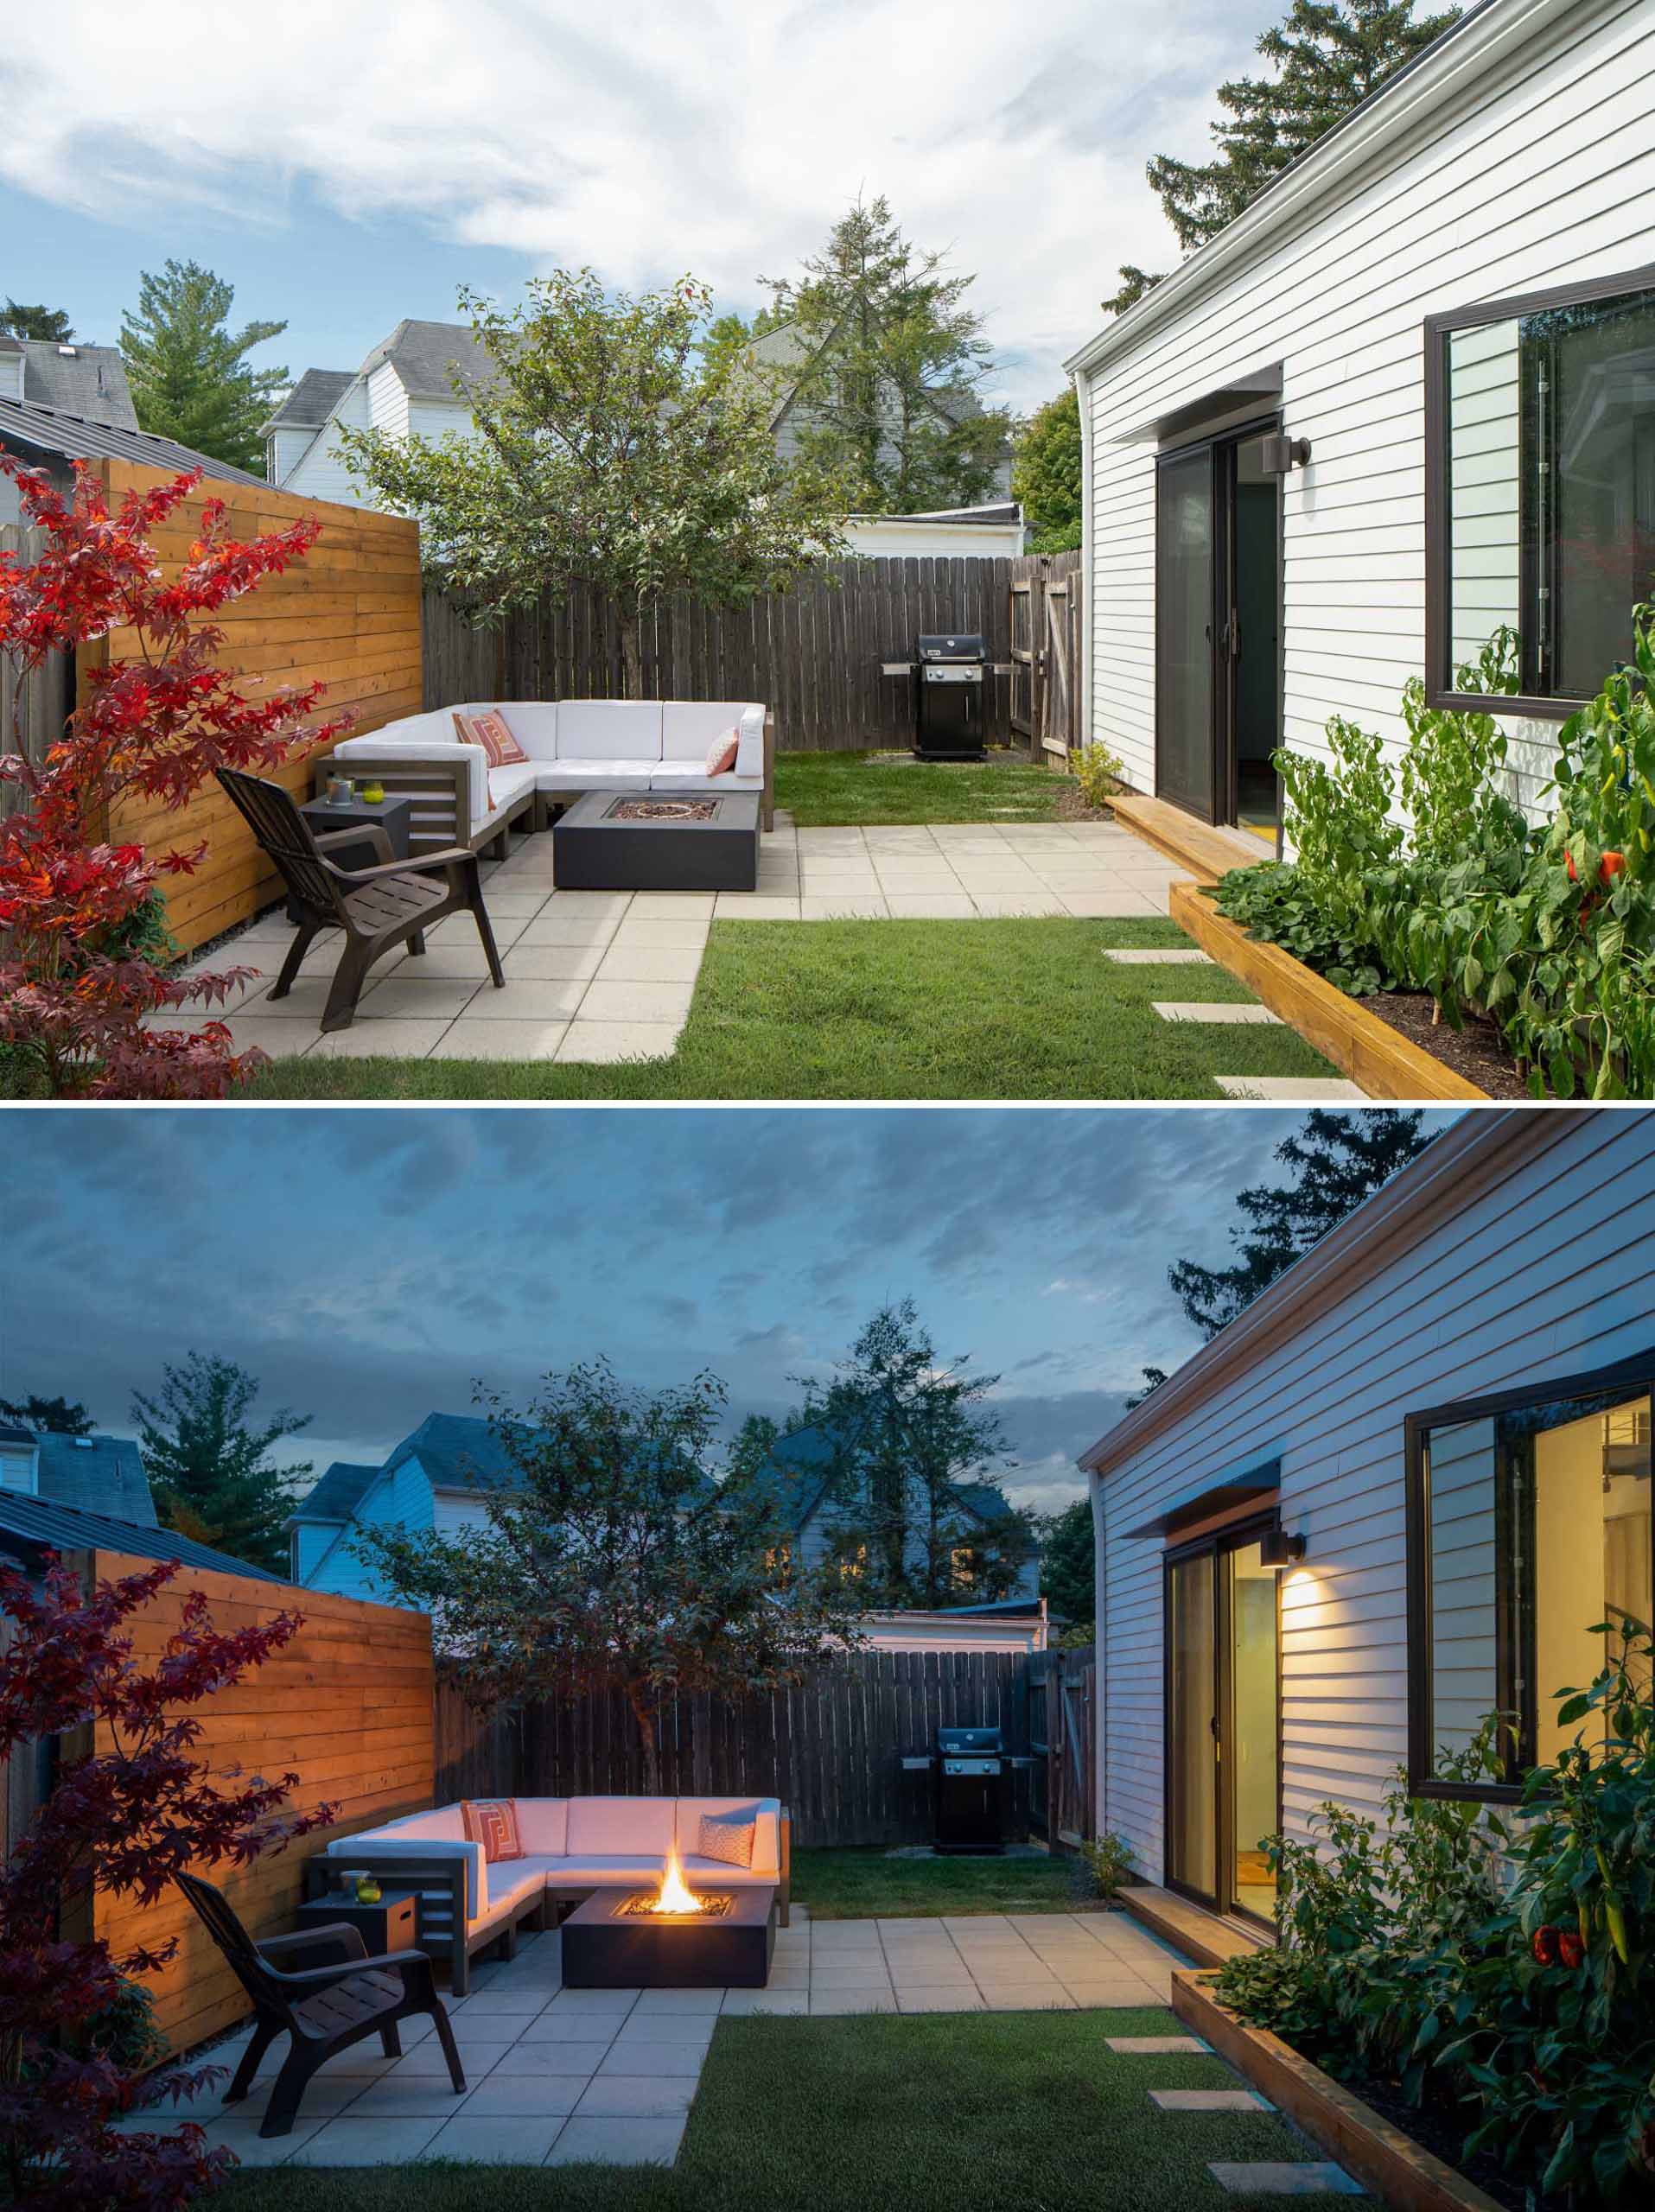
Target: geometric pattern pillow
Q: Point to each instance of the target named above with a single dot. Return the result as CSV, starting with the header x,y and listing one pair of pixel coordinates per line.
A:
x,y
490,730
492,1822
721,753
729,1837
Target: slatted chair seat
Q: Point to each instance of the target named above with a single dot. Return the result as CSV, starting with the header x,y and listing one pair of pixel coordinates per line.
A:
x,y
323,2009
377,908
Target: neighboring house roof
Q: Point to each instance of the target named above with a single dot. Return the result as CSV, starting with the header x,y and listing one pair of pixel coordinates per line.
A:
x,y
311,401
47,433
800,1473
785,353
95,1474
36,1524
86,380
12,1432
993,510
426,355
1000,1608
336,1495
457,1452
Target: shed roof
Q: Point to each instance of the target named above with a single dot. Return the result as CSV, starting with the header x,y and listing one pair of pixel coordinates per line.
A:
x,y
50,433
97,1474
36,1524
311,401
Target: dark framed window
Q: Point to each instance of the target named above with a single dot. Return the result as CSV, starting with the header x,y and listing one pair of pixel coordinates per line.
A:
x,y
1539,492
1530,1521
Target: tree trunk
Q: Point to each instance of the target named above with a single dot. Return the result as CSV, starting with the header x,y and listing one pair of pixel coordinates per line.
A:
x,y
644,1715
632,666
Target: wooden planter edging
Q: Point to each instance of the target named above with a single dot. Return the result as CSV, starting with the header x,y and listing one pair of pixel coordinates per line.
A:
x,y
1385,1062
1400,2172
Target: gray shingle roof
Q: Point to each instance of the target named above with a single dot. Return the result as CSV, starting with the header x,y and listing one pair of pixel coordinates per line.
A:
x,y
96,1474
460,1452
308,406
336,1495
423,355
801,1468
86,380
35,1524
36,433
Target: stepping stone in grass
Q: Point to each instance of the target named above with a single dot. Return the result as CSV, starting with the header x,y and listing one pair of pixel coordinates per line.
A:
x,y
1292,1089
1154,2046
1319,2177
1214,1010
1209,2100
1171,958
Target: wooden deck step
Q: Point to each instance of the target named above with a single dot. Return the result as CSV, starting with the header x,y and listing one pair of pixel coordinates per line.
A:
x,y
1206,851
1201,1935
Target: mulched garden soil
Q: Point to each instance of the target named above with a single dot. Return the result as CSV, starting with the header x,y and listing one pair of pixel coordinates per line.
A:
x,y
1474,1051
1443,2132
1071,807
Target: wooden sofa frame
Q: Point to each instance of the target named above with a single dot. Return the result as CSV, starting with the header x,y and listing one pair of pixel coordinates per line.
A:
x,y
441,1885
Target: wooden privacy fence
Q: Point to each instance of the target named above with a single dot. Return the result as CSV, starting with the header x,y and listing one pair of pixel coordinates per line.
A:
x,y
33,710
814,656
831,1749
1045,648
1062,1687
346,1706
347,613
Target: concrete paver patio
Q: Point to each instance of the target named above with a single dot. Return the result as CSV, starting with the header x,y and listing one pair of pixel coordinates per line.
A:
x,y
595,976
554,2075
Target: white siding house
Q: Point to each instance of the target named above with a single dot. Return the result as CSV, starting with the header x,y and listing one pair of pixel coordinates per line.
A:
x,y
405,388
1514,1262
1234,607
431,1481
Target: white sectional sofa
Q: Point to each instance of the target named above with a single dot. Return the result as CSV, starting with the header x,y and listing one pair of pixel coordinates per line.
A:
x,y
574,746
572,1845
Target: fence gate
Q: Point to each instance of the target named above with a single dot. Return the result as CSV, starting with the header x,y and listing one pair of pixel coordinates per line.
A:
x,y
1044,621
1058,719
1061,1687
1025,661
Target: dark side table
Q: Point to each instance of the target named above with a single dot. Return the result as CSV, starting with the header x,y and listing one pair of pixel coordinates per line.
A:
x,y
394,814
391,1925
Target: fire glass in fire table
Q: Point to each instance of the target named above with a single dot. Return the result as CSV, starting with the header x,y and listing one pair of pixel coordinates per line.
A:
x,y
616,1941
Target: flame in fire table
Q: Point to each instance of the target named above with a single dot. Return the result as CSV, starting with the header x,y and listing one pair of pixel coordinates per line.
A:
x,y
676,1895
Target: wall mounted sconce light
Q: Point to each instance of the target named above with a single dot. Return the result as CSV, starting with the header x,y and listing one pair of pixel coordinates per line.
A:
x,y
1279,456
1279,1550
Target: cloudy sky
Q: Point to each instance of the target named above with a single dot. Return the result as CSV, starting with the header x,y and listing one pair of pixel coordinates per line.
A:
x,y
345,166
369,1266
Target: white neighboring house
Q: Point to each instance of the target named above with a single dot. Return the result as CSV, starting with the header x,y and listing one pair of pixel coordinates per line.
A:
x,y
1461,454
992,531
405,388
1445,1406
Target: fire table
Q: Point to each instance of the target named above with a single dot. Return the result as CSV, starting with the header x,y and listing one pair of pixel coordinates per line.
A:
x,y
617,1939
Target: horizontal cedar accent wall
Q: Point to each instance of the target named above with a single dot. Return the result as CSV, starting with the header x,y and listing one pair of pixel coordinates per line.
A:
x,y
346,1706
348,615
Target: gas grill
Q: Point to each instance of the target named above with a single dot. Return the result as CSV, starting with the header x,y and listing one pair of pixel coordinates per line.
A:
x,y
969,1782
948,679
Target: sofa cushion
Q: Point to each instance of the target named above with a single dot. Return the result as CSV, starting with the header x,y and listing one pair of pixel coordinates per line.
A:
x,y
605,1825
686,776
491,731
610,729
533,723
512,1879
507,784
767,1839
605,1870
721,753
712,1874
543,1823
561,775
688,726
445,1822
728,1837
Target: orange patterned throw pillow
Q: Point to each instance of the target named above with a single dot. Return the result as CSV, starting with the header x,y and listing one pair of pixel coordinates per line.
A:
x,y
492,1822
490,730
721,753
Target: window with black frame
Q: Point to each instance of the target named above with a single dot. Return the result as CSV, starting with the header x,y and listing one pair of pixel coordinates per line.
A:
x,y
1534,1521
1542,437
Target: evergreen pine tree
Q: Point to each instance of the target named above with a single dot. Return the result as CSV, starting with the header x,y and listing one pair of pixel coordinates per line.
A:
x,y
49,324
186,367
210,1468
47,1416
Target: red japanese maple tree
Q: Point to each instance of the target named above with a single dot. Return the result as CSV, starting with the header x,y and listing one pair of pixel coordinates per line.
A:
x,y
80,963
122,1819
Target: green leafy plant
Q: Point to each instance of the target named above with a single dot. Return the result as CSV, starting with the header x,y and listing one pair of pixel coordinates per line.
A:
x,y
1099,772
1453,756
1111,1861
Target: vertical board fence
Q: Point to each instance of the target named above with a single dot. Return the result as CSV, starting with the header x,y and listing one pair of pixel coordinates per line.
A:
x,y
831,1748
815,655
33,710
347,613
346,1706
1062,1687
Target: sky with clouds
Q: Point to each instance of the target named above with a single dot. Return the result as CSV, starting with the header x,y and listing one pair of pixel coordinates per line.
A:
x,y
346,166
369,1266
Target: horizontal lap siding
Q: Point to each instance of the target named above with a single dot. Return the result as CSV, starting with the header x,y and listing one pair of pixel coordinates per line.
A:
x,y
348,615
1548,177
345,1706
1550,1273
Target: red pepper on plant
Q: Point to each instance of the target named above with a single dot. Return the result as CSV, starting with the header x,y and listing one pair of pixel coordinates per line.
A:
x,y
122,1819
76,980
1545,1946
1571,1949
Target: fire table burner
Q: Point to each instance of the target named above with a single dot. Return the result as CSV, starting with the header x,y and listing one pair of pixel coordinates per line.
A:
x,y
612,1942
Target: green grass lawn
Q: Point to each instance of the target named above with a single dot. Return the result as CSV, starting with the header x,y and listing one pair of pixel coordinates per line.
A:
x,y
937,2113
1024,1008
863,1885
831,790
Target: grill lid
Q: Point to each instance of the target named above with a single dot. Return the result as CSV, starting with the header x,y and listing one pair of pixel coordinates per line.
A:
x,y
951,1742
966,644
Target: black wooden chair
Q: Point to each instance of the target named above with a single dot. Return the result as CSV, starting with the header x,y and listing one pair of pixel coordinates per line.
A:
x,y
378,908
324,2009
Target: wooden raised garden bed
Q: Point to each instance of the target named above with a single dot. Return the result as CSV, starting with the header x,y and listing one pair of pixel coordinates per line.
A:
x,y
1401,2173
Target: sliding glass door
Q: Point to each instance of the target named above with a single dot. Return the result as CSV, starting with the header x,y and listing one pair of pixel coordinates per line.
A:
x,y
1185,580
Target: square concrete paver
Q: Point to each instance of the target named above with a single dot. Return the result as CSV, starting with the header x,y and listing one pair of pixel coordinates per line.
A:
x,y
1271,2178
518,2142
349,2142
614,2142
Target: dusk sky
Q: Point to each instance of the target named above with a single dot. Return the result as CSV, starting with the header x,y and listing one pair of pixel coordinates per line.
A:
x,y
368,1266
344,167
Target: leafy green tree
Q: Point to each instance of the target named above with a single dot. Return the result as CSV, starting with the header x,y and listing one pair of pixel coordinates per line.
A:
x,y
1135,283
727,336
1068,1565
50,324
611,1561
890,362
914,1437
48,1416
1046,473
607,455
1328,55
188,371
210,1467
